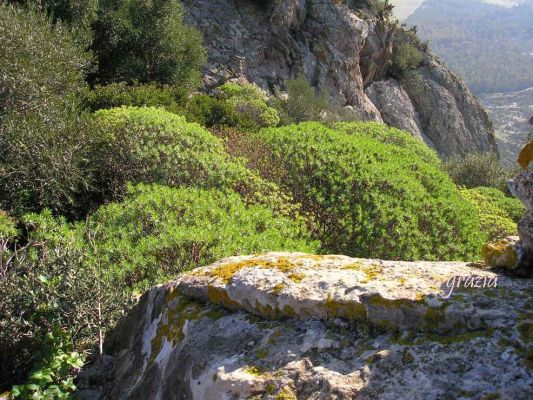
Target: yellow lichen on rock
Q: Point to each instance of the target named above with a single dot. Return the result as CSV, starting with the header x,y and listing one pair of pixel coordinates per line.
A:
x,y
337,309
276,290
500,254
226,272
286,394
371,271
220,296
170,328
297,277
526,155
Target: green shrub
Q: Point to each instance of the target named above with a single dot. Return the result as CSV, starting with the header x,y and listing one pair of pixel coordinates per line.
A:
x,y
387,135
78,15
158,232
209,111
407,54
52,282
44,142
374,199
241,106
406,57
478,169
498,214
42,68
52,376
138,95
249,106
301,102
155,146
136,40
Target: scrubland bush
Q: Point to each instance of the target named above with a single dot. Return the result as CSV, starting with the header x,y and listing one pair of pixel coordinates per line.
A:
x,y
249,104
498,213
42,68
45,142
77,15
136,95
374,199
478,169
209,111
155,146
158,232
300,102
407,54
50,286
135,40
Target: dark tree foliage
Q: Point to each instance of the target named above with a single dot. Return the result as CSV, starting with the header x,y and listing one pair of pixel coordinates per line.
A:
x,y
77,14
44,140
136,40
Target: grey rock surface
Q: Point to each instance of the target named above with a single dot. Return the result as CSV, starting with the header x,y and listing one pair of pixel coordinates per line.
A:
x,y
449,114
521,186
342,49
256,327
396,107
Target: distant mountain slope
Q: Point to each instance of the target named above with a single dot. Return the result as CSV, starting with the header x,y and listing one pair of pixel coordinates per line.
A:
x,y
510,112
489,45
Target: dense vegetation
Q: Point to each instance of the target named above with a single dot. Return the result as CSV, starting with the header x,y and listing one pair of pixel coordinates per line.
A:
x,y
498,213
41,79
374,198
117,172
478,169
490,46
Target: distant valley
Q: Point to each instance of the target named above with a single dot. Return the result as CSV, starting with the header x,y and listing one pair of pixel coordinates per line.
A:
x,y
490,44
510,112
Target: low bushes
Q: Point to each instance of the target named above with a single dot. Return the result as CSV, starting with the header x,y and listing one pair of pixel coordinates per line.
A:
x,y
249,105
478,169
155,146
301,102
158,232
137,95
498,213
50,286
374,199
63,284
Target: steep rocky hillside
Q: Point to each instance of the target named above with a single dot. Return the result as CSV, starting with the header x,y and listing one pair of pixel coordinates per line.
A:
x,y
346,49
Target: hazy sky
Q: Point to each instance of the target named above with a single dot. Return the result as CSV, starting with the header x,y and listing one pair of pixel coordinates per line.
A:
x,y
403,8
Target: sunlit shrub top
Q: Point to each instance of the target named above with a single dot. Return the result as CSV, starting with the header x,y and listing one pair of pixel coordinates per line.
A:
x,y
498,213
158,232
375,192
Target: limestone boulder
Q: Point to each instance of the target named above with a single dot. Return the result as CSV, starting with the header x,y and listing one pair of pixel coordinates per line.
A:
x,y
298,326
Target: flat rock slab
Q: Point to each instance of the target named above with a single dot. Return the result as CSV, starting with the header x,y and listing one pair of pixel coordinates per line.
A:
x,y
205,335
425,296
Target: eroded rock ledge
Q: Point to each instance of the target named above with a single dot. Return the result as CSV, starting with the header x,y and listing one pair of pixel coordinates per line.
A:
x,y
297,326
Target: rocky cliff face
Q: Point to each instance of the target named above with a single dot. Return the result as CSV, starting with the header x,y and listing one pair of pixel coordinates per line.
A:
x,y
298,326
343,48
